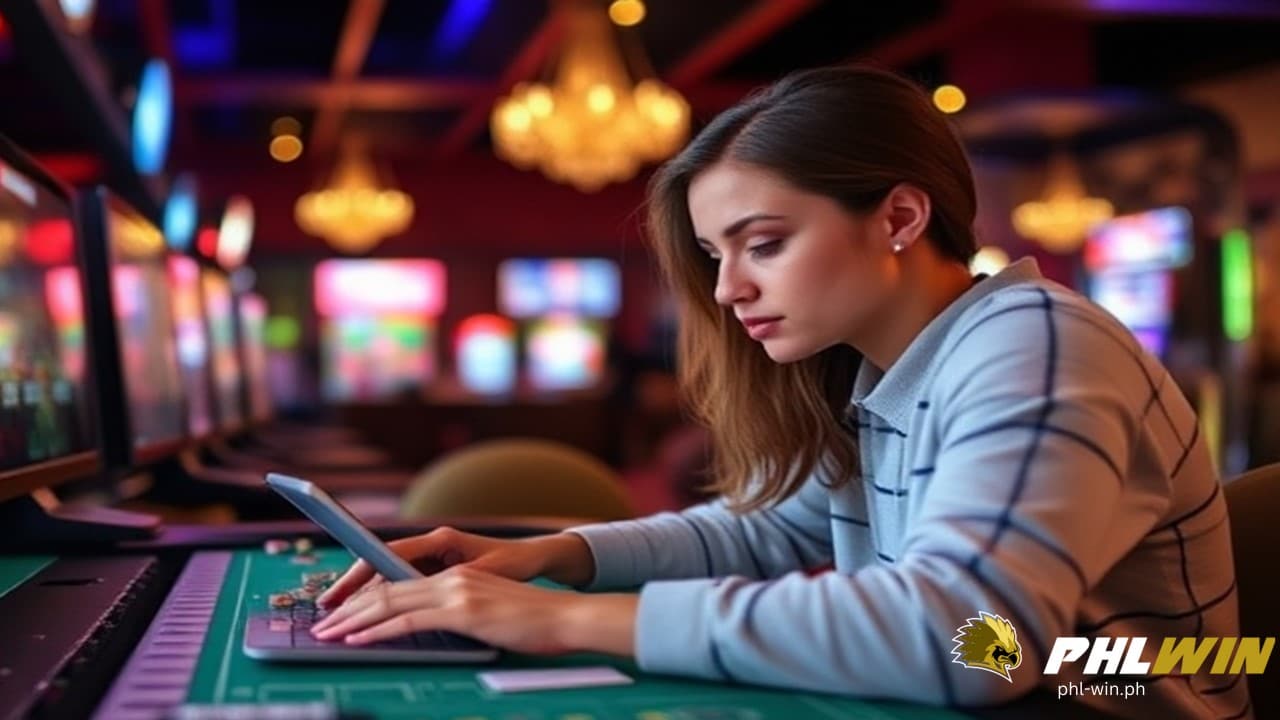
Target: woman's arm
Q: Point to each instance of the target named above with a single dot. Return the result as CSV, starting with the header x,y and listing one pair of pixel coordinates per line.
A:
x,y
711,541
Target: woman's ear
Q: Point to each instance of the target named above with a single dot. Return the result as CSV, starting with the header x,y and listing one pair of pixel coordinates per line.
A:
x,y
907,210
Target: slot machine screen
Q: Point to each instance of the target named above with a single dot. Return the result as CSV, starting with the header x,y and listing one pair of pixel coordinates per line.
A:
x,y
565,352
222,349
378,325
532,287
253,321
140,297
44,400
192,343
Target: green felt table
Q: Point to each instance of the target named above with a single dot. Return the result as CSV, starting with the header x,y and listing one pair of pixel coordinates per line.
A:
x,y
225,675
15,569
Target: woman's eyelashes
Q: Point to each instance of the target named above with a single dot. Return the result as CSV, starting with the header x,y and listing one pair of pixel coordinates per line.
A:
x,y
765,249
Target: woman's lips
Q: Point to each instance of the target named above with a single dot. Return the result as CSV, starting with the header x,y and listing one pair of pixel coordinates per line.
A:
x,y
761,328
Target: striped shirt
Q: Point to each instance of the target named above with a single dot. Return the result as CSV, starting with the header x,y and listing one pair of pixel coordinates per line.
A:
x,y
1023,457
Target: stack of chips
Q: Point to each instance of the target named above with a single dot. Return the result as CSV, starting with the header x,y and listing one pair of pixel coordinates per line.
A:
x,y
313,586
303,552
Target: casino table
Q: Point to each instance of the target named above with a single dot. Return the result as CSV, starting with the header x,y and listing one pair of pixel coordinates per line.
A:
x,y
15,569
192,653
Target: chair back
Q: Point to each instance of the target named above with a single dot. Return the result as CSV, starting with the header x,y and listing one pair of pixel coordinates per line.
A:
x,y
518,477
1253,502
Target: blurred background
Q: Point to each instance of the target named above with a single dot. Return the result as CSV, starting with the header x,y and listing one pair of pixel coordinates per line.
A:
x,y
364,237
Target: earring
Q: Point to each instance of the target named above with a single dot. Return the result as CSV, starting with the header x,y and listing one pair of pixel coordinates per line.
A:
x,y
898,246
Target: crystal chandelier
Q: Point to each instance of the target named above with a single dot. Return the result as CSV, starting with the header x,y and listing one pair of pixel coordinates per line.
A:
x,y
591,126
1061,220
354,213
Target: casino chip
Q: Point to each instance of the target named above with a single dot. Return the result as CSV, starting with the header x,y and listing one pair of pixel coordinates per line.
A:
x,y
276,546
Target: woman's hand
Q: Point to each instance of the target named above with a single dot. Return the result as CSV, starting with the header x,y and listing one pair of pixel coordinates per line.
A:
x,y
500,611
563,558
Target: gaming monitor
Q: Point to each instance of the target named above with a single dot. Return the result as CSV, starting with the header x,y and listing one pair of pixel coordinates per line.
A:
x,y
46,432
532,287
253,321
192,343
142,409
224,358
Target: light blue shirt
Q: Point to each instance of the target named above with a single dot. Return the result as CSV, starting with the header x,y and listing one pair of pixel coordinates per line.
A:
x,y
1022,457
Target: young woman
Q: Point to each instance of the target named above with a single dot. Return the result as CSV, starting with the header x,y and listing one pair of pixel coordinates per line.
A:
x,y
949,445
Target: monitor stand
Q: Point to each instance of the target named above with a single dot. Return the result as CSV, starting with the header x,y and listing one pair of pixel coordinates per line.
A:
x,y
41,520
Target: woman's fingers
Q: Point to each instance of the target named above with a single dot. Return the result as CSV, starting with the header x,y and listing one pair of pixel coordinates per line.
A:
x,y
355,577
383,601
416,621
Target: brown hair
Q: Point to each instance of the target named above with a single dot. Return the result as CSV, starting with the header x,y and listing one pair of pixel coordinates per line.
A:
x,y
848,133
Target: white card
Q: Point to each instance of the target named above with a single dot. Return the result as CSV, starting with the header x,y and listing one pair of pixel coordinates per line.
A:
x,y
552,678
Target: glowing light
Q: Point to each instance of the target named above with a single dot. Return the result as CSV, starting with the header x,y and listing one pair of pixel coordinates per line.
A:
x,y
286,125
79,14
1237,285
235,235
1063,218
626,12
949,98
354,212
180,213
152,117
989,260
286,148
592,125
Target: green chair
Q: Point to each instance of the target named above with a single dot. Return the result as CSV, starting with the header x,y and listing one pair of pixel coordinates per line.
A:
x,y
1253,503
517,477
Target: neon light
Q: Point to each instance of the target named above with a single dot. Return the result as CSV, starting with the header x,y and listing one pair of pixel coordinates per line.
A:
x,y
282,332
236,233
181,213
486,354
207,241
1237,285
152,117
459,24
51,242
375,287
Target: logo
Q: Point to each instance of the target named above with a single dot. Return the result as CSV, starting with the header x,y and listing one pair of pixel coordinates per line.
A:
x,y
988,642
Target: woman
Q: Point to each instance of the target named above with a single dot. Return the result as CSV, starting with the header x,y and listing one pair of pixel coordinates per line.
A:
x,y
956,448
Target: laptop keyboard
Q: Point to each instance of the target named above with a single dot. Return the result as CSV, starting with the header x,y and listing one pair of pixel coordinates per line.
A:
x,y
291,628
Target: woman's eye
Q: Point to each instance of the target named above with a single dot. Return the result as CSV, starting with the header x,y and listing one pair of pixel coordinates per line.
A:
x,y
765,249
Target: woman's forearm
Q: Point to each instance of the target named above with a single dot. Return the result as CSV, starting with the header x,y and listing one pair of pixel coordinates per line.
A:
x,y
604,622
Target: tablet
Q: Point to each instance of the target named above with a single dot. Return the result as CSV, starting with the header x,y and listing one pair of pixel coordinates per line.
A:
x,y
284,635
342,526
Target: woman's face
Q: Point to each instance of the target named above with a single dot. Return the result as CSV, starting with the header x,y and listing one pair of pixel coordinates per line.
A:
x,y
798,271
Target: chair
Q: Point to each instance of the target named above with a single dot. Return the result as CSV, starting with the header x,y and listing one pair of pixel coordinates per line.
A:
x,y
1253,502
517,477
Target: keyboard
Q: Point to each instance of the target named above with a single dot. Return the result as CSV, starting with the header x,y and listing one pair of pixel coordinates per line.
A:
x,y
285,634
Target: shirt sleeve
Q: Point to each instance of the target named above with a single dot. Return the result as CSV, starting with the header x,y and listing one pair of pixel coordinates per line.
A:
x,y
709,540
1031,501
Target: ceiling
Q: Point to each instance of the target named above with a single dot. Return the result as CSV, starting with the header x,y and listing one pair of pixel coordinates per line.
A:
x,y
418,77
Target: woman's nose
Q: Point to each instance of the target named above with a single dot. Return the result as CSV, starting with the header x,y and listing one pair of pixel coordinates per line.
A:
x,y
732,286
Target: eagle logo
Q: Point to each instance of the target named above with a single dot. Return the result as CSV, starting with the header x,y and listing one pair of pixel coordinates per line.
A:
x,y
988,642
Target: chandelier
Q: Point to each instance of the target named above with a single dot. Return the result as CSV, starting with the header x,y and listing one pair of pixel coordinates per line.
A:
x,y
1061,220
591,125
354,213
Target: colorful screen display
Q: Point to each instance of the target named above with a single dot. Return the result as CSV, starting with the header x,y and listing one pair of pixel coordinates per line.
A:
x,y
222,348
253,321
43,393
144,327
564,352
1130,260
486,354
377,325
583,286
192,343
1157,239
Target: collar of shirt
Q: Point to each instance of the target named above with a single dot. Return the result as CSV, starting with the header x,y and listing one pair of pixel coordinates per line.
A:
x,y
892,395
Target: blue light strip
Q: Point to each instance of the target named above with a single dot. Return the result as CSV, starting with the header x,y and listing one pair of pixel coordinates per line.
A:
x,y
460,22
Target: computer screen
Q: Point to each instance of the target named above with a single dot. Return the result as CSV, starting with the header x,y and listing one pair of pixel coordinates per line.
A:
x,y
531,287
143,309
46,434
253,322
192,343
222,349
565,352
